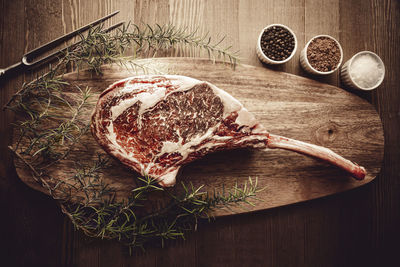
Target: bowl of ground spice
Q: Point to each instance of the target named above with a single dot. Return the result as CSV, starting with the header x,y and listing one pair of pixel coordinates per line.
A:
x,y
322,55
364,71
276,44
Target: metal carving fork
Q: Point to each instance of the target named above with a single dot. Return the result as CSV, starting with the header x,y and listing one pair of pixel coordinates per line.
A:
x,y
28,60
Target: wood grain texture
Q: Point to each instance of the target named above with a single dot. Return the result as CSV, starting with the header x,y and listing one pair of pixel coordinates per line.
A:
x,y
355,228
329,11
285,104
21,232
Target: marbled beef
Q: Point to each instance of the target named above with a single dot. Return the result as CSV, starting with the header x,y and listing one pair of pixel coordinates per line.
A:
x,y
156,124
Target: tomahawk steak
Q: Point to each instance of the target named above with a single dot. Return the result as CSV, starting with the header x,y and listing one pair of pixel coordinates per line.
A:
x,y
155,124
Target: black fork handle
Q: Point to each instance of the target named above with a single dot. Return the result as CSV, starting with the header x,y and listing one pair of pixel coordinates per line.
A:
x,y
24,63
11,69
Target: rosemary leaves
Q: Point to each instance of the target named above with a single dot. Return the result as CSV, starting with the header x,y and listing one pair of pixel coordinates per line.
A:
x,y
53,129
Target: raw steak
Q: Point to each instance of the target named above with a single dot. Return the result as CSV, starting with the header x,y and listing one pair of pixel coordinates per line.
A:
x,y
156,124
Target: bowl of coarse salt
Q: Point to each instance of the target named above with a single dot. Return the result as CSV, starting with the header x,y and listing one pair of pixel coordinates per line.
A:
x,y
364,71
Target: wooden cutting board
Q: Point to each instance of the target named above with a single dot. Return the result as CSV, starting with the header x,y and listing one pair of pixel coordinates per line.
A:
x,y
286,105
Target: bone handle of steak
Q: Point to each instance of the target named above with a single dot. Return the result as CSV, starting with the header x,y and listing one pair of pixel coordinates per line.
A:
x,y
276,141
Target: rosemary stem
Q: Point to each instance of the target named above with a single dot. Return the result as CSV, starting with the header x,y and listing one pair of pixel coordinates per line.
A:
x,y
84,196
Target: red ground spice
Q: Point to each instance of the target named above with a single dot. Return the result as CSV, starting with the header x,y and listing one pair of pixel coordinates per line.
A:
x,y
323,54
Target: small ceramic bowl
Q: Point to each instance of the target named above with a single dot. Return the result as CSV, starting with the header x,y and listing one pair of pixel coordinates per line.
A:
x,y
306,64
268,60
345,74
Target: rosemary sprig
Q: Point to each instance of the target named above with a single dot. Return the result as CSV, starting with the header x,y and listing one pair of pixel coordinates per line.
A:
x,y
99,47
47,138
41,107
181,214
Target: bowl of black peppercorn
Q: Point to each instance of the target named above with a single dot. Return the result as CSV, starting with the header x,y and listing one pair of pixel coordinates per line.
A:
x,y
276,44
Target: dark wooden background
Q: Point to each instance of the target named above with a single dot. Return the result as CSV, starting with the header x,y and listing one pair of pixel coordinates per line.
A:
x,y
356,228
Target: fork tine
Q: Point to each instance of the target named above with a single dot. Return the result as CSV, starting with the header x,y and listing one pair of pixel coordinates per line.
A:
x,y
59,52
37,51
114,26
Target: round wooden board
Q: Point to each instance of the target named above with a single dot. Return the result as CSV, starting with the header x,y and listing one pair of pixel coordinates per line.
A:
x,y
285,104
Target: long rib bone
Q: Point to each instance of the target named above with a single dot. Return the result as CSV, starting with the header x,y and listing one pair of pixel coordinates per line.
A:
x,y
276,141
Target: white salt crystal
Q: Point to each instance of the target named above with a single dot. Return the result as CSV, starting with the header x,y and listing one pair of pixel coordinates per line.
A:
x,y
366,71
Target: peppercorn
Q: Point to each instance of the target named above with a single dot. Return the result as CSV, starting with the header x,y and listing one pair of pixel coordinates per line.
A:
x,y
277,43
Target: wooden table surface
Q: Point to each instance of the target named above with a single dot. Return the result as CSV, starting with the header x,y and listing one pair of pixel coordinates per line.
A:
x,y
356,228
